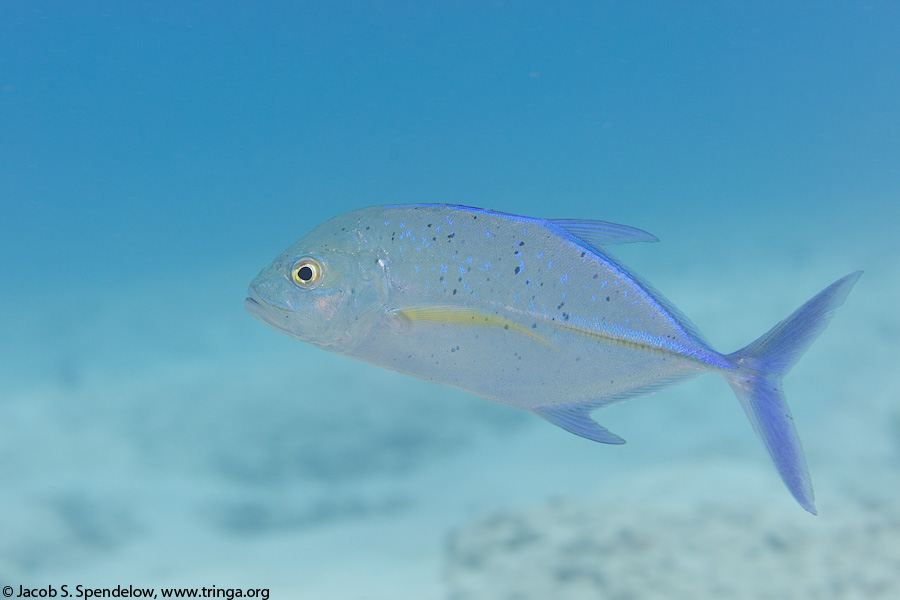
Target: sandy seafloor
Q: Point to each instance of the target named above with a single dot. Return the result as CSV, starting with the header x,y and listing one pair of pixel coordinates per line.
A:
x,y
157,435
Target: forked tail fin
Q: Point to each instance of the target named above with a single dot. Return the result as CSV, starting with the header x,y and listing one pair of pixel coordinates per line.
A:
x,y
757,382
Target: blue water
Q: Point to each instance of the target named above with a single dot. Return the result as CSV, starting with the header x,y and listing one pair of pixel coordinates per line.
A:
x,y
154,157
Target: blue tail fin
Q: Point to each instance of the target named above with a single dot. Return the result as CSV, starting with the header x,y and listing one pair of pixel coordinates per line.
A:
x,y
757,383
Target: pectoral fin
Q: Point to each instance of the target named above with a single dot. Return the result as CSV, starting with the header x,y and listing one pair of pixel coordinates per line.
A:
x,y
577,419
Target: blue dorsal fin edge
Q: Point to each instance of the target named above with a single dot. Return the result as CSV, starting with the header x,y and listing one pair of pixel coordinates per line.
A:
x,y
576,419
600,233
596,234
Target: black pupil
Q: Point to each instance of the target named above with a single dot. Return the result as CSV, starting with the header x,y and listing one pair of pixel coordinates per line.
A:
x,y
304,273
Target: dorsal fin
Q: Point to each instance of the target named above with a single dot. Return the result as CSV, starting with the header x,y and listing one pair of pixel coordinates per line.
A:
x,y
600,233
594,234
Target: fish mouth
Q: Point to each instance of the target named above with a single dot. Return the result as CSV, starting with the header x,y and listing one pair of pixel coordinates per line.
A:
x,y
277,318
252,305
262,311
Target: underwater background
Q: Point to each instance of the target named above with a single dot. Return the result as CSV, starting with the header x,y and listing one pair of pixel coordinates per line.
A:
x,y
155,156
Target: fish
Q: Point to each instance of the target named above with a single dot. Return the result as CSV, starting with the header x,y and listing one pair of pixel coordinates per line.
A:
x,y
528,312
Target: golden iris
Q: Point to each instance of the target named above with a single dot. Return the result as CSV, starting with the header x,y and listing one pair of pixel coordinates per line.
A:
x,y
307,272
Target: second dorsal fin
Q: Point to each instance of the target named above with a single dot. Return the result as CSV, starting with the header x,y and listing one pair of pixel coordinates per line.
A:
x,y
601,233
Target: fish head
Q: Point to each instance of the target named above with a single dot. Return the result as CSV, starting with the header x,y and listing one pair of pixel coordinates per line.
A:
x,y
326,289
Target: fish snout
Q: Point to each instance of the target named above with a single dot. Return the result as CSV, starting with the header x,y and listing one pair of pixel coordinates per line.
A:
x,y
265,312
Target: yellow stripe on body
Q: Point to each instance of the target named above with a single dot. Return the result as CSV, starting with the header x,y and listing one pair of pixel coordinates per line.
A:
x,y
625,342
466,316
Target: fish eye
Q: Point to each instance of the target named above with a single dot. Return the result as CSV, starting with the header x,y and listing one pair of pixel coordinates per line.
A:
x,y
307,272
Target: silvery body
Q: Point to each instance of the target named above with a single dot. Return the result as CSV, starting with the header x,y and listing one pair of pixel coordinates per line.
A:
x,y
533,313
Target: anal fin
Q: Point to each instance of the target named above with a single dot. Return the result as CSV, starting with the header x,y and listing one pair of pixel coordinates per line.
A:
x,y
577,419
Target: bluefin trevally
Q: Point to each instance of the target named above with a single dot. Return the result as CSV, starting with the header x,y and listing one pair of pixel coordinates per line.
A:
x,y
532,313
